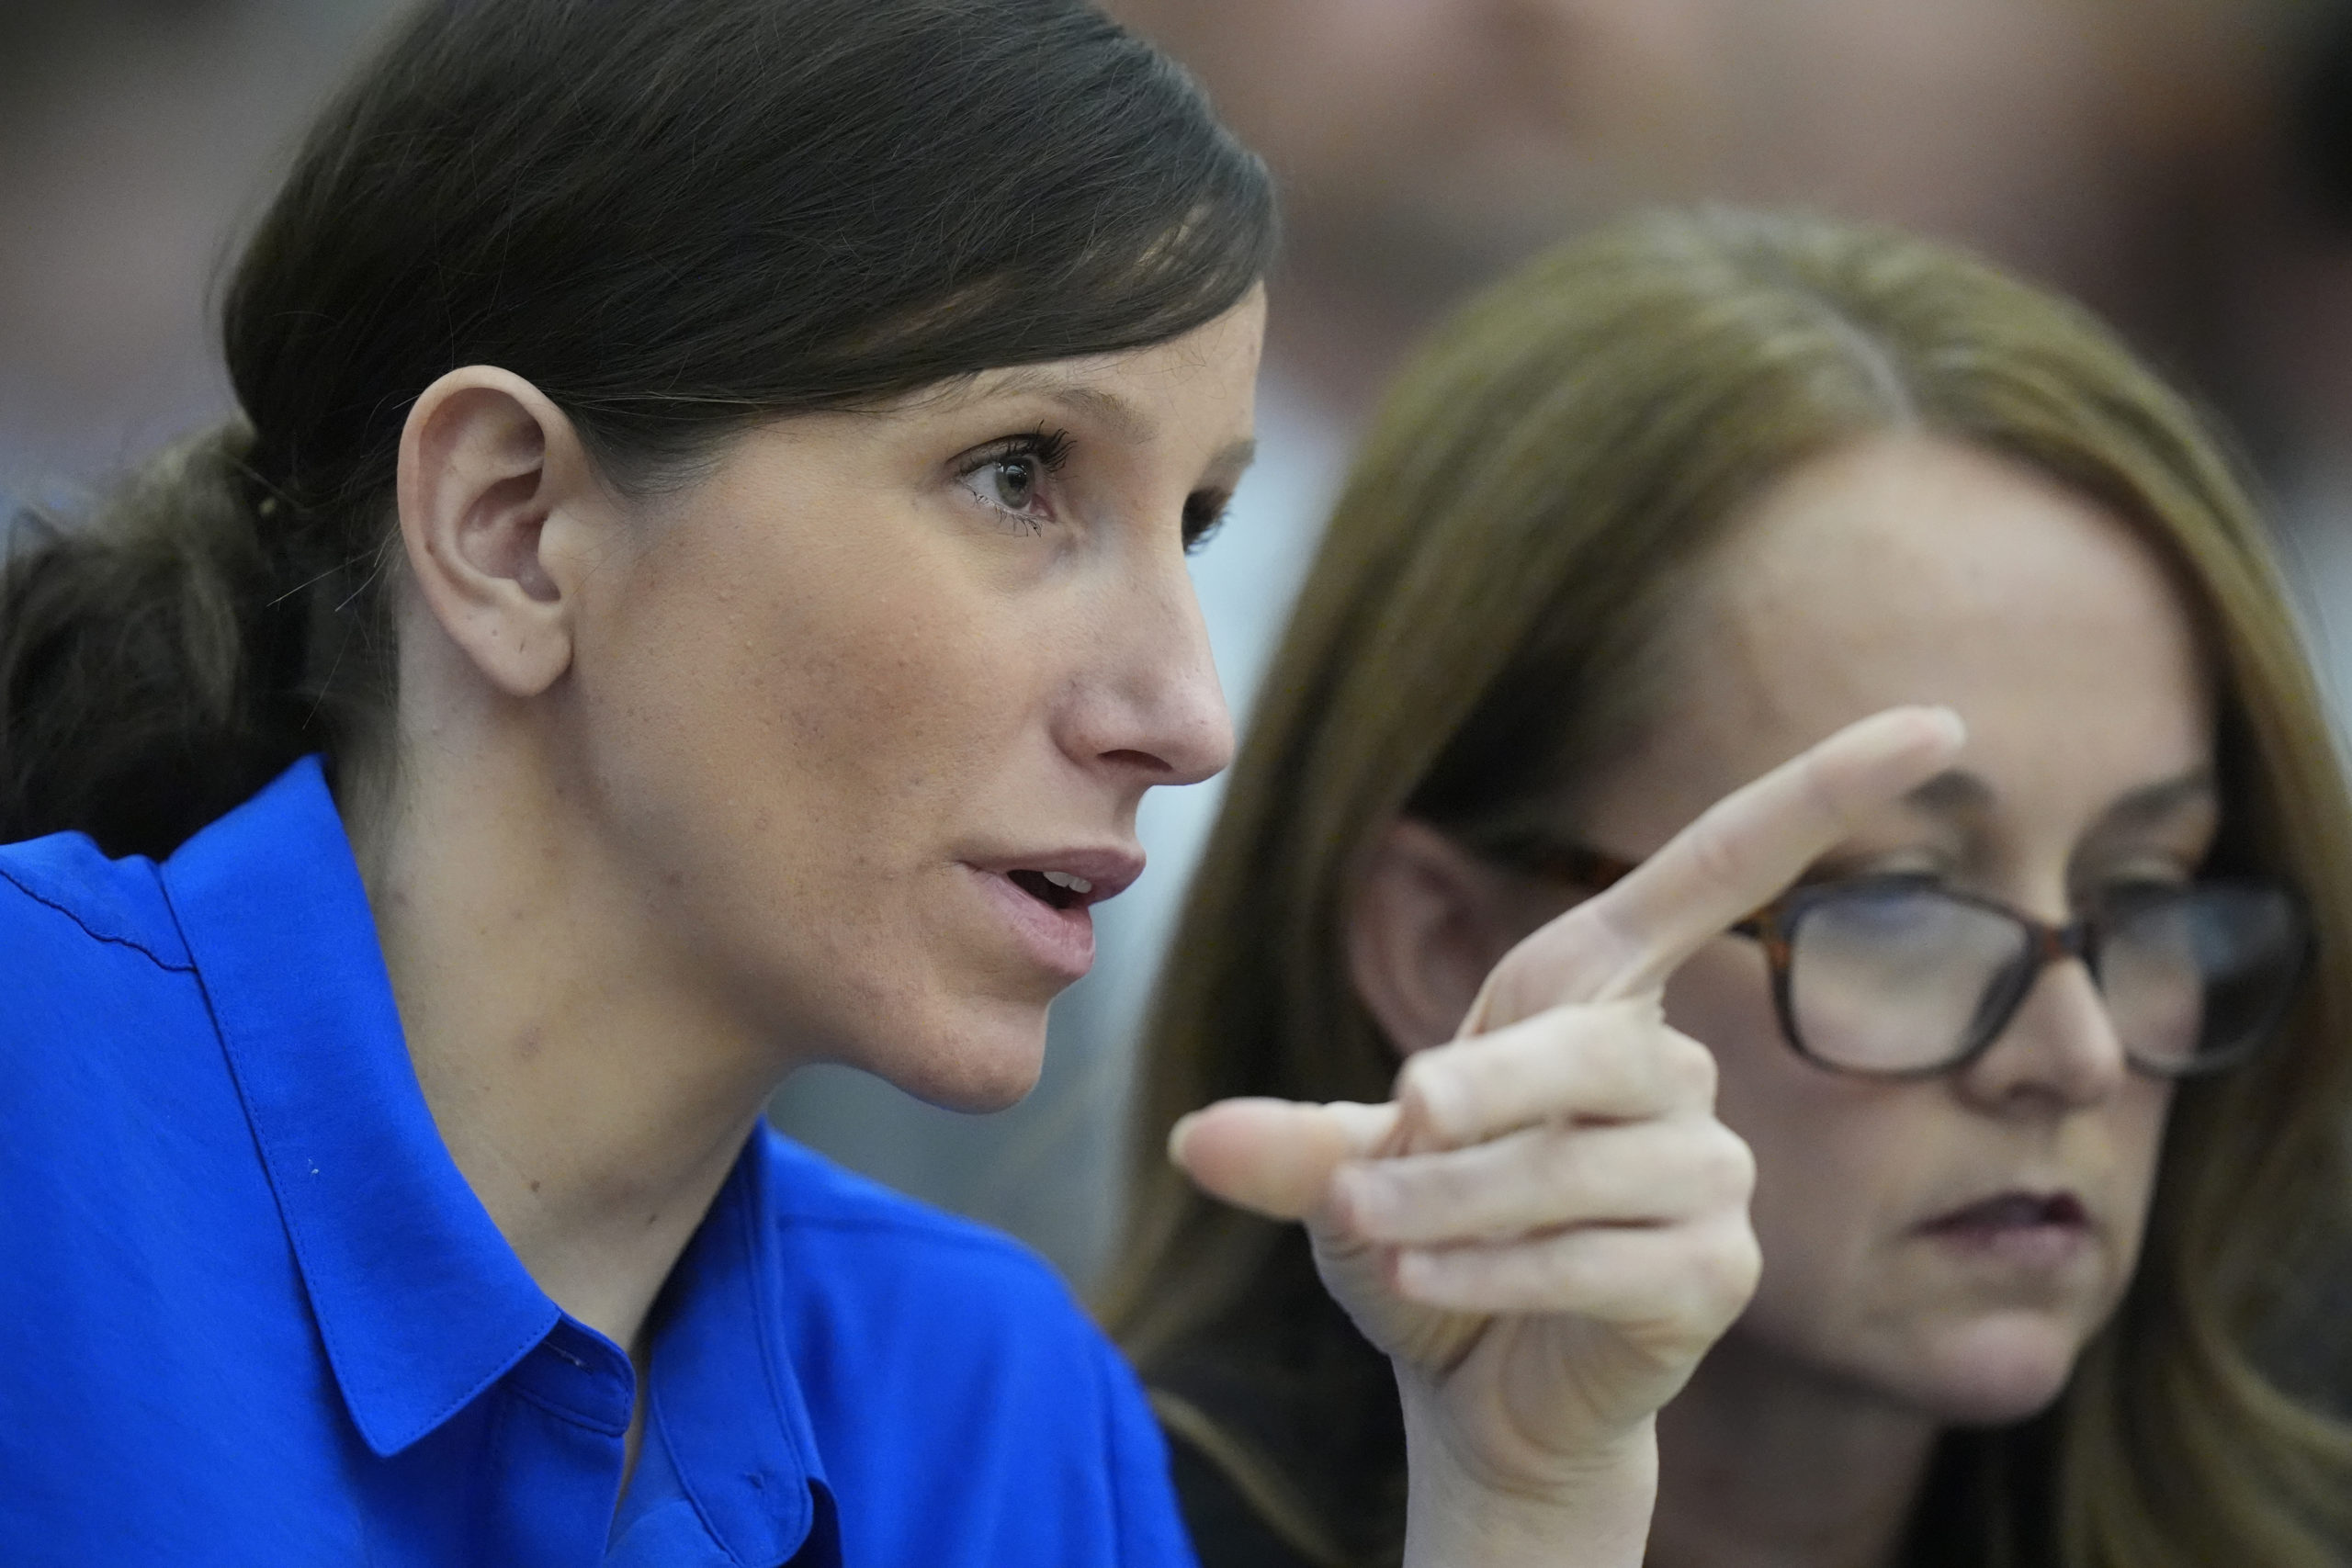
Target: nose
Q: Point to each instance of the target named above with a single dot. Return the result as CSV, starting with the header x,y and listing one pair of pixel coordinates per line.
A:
x,y
1154,710
2060,1049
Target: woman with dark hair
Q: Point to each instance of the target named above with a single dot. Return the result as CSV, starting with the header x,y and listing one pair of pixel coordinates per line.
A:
x,y
2045,1066
698,587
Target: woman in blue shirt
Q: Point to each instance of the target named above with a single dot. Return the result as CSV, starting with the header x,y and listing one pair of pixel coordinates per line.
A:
x,y
698,587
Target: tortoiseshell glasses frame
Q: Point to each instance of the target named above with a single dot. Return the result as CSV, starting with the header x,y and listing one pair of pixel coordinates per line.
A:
x,y
2246,944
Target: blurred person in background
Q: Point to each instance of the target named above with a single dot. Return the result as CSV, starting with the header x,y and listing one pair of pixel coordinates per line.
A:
x,y
2045,1072
137,138
1425,146
2300,337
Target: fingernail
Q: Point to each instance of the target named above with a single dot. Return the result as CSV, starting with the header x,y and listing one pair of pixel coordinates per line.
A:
x,y
1176,1135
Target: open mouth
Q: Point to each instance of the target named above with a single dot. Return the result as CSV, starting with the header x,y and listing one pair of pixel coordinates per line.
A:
x,y
1055,889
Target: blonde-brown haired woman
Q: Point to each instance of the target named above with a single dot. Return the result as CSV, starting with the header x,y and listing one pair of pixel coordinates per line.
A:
x,y
2045,1068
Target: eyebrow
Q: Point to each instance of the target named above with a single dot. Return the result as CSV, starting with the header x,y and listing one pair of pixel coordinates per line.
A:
x,y
1958,793
2156,802
1114,412
1121,418
1235,458
1955,792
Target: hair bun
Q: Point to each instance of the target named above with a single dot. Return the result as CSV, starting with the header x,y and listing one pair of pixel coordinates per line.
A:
x,y
147,682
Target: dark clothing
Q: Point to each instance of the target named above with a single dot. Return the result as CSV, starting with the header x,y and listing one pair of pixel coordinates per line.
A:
x,y
1226,1531
1289,1449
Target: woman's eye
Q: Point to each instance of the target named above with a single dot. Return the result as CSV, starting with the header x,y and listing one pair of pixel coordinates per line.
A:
x,y
1917,869
1010,476
2137,890
1203,515
1010,482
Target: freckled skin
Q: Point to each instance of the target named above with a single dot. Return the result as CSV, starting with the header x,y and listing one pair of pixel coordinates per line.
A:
x,y
1915,570
828,675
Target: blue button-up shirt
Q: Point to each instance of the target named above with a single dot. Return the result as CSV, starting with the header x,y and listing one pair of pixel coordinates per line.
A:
x,y
251,1314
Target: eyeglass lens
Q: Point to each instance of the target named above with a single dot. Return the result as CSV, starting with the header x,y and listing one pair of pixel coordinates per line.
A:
x,y
1894,978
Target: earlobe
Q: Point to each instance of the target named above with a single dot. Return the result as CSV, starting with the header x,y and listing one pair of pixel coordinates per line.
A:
x,y
1430,919
487,462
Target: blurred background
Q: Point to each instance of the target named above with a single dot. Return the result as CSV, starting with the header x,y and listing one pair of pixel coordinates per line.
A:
x,y
2184,166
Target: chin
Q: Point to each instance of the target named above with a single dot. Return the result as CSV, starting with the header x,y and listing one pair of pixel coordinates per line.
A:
x,y
1998,1369
979,1059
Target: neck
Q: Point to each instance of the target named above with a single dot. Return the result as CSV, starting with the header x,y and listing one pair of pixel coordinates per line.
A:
x,y
1764,1464
585,1081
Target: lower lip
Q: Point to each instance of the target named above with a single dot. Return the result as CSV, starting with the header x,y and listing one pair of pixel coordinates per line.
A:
x,y
2041,1246
1061,942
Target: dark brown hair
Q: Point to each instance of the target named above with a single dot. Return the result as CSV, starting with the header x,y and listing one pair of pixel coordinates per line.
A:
x,y
674,216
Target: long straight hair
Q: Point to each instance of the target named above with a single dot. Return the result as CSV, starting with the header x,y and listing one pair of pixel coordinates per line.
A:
x,y
1485,619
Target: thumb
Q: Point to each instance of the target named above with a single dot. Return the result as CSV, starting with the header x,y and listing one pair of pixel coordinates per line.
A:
x,y
1275,1157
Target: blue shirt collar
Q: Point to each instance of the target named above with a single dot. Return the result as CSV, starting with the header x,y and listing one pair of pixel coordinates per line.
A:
x,y
420,1301
725,1400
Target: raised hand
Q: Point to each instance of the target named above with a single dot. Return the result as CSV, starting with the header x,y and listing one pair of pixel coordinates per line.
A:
x,y
1547,1228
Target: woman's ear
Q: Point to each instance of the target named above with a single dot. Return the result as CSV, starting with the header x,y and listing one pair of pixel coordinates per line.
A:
x,y
487,466
1429,920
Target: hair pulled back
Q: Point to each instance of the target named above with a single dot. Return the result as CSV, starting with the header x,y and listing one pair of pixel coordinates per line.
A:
x,y
675,218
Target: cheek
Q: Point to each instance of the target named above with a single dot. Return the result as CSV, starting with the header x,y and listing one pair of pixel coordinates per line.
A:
x,y
788,741
1819,1167
773,694
2136,1122
1846,1166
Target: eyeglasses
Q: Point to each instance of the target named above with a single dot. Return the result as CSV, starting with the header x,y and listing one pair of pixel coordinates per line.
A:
x,y
1901,976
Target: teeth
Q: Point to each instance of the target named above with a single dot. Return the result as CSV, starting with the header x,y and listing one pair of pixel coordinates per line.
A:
x,y
1063,879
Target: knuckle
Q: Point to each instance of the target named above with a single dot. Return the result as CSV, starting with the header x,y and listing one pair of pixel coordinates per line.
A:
x,y
1437,1188
1355,1213
1429,1091
1741,1160
1726,1268
1717,853
1430,1278
1690,1068
1726,1168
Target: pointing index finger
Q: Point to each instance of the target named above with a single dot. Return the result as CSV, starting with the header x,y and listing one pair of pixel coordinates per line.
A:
x,y
1752,843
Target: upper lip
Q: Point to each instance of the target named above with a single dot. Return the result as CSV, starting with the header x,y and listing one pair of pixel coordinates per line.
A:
x,y
2022,1205
1111,870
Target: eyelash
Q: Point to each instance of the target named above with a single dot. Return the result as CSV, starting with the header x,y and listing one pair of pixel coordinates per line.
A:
x,y
1049,449
1203,515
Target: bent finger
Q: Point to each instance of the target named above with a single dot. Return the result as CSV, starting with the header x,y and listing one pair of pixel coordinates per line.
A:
x,y
1603,1061
1275,1157
1667,1287
1542,1179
